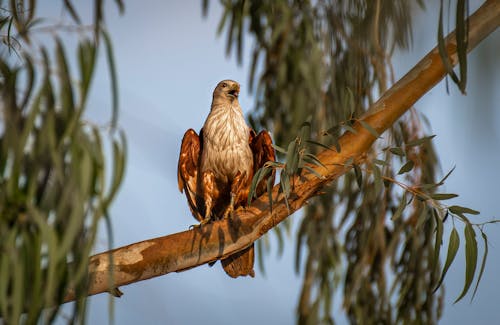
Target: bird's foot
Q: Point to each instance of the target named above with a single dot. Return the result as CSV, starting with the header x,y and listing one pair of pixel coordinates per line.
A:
x,y
230,209
229,212
202,222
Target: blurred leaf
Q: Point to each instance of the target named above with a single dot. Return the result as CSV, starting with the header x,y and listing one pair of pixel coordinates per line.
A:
x,y
443,196
397,151
113,77
369,128
406,167
401,208
438,238
359,175
72,11
420,141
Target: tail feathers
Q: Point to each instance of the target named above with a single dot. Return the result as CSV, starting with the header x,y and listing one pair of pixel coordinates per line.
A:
x,y
240,264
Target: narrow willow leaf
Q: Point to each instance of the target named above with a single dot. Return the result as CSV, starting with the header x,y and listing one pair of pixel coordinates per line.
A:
x,y
269,186
119,159
401,208
443,53
397,151
420,141
291,156
454,243
377,178
260,256
369,128
350,129
311,170
281,241
462,38
334,131
438,239
114,79
406,167
279,149
380,162
257,178
359,175
457,209
470,259
443,196
441,182
285,184
69,7
310,158
66,91
483,263
319,144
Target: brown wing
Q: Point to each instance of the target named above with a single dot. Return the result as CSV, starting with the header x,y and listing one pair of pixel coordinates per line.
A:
x,y
187,169
263,151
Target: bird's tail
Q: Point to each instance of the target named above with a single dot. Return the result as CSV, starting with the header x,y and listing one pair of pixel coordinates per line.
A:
x,y
240,264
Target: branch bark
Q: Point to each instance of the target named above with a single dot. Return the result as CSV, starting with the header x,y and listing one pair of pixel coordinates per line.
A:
x,y
191,248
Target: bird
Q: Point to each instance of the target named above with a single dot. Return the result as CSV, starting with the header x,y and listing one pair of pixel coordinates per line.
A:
x,y
216,167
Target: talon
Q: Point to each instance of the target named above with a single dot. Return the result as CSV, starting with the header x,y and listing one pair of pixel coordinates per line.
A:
x,y
230,209
202,222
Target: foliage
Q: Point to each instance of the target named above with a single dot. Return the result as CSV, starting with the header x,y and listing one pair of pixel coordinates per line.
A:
x,y
54,186
375,234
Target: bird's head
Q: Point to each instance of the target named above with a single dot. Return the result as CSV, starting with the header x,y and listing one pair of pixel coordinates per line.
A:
x,y
226,91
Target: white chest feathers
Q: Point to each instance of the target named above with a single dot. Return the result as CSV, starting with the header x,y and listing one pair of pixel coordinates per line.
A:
x,y
225,143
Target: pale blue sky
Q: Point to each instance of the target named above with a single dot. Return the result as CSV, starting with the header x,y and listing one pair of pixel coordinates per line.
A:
x,y
169,60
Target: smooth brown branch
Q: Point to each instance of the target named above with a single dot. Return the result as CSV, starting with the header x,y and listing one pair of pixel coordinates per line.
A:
x,y
191,248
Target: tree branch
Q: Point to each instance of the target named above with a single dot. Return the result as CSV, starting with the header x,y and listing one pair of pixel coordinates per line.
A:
x,y
191,248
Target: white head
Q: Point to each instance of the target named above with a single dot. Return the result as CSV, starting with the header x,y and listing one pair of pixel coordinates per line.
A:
x,y
226,92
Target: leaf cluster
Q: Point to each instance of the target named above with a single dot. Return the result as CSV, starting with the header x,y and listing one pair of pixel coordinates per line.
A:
x,y
55,179
376,233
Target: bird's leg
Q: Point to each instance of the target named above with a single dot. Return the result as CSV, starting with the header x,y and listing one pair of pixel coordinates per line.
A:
x,y
208,187
236,190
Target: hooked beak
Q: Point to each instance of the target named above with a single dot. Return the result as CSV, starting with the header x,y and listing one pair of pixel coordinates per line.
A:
x,y
235,90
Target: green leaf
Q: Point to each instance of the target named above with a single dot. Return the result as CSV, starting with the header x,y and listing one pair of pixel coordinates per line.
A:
x,y
443,196
420,141
311,170
312,159
377,178
319,144
257,178
438,239
483,263
406,167
114,79
454,243
457,209
278,148
470,259
441,182
369,128
400,209
397,151
350,129
66,91
380,162
269,187
292,157
359,175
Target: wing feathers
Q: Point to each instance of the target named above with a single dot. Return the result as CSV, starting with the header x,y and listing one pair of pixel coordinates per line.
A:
x,y
263,151
187,169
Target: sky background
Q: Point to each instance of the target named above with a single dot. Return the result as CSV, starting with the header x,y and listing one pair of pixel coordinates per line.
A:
x,y
169,60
